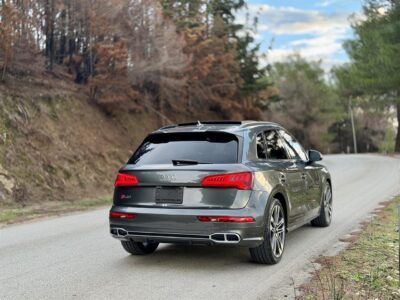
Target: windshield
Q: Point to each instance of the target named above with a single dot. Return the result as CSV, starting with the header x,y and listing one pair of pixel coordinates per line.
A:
x,y
215,148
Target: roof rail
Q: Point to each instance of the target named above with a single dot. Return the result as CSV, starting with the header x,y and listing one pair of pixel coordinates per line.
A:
x,y
211,123
203,123
168,126
252,123
243,124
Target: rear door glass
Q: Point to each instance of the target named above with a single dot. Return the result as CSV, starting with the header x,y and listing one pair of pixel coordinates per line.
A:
x,y
214,148
274,145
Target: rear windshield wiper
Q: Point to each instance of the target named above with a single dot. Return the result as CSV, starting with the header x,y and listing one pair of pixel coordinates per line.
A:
x,y
181,162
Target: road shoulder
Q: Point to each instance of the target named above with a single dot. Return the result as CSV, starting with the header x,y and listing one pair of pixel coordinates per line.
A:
x,y
367,269
9,216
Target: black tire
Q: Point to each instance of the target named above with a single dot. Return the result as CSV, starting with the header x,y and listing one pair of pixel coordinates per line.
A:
x,y
325,216
266,253
139,248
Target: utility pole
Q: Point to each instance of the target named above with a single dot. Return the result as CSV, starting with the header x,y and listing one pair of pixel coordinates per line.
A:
x,y
398,230
352,126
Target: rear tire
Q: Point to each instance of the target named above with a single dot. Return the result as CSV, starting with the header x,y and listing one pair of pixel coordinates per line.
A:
x,y
271,250
325,216
139,248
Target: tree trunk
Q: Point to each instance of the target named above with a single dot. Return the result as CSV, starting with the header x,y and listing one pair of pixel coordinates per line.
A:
x,y
63,40
52,46
397,147
4,20
49,32
3,75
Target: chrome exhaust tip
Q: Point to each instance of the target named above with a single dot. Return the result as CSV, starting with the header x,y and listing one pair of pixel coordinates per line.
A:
x,y
225,238
122,232
118,232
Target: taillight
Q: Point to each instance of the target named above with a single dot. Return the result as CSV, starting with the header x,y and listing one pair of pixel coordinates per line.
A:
x,y
119,215
226,219
125,180
241,181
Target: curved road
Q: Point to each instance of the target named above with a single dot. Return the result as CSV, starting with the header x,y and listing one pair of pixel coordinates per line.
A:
x,y
74,257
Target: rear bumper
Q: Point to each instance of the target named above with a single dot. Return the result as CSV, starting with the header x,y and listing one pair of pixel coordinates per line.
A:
x,y
166,225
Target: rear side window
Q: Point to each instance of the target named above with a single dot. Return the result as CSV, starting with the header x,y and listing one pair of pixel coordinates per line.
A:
x,y
270,146
274,145
214,148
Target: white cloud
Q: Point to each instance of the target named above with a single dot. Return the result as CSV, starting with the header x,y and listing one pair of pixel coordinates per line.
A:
x,y
282,55
290,20
322,47
327,3
320,35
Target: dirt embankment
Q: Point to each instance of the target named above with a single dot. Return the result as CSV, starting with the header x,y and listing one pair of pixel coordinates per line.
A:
x,y
57,146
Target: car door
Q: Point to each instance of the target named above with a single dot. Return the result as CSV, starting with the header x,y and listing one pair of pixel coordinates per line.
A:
x,y
275,153
309,175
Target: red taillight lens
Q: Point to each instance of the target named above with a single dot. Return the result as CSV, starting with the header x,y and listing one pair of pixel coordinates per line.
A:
x,y
241,181
125,180
226,219
118,215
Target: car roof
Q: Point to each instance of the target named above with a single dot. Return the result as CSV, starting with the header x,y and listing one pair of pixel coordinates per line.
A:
x,y
234,127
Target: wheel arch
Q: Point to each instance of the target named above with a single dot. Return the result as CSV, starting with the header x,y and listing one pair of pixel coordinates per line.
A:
x,y
282,200
280,194
329,180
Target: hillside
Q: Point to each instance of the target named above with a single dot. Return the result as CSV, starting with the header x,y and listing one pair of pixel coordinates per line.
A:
x,y
56,145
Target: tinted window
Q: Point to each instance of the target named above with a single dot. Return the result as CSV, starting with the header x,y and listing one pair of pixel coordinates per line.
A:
x,y
274,145
290,150
261,149
216,148
295,149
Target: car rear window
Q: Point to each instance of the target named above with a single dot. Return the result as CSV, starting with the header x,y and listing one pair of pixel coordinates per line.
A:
x,y
215,148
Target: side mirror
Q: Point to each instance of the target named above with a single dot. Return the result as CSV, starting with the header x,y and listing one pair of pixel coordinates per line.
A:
x,y
314,155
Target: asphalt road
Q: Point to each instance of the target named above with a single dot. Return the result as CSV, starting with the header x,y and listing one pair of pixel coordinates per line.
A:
x,y
74,256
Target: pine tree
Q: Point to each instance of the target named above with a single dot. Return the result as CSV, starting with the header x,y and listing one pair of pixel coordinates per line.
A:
x,y
375,59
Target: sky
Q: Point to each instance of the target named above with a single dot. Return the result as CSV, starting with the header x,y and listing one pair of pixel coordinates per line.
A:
x,y
314,29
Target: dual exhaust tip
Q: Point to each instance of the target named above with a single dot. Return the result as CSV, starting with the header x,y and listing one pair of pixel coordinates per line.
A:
x,y
225,238
218,238
119,232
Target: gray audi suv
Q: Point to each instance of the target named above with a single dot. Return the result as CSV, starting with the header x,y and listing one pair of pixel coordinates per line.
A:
x,y
219,183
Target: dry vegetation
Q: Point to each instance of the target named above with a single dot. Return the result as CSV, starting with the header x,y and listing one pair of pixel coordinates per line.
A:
x,y
368,269
56,146
169,55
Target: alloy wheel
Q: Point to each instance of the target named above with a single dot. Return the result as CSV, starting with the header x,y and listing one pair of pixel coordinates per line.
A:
x,y
277,230
328,203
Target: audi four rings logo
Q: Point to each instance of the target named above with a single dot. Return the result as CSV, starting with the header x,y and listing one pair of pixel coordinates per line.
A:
x,y
168,177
